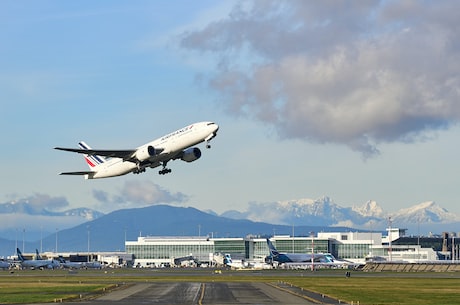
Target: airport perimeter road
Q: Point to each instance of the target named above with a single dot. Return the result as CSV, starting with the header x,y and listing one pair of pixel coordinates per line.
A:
x,y
198,293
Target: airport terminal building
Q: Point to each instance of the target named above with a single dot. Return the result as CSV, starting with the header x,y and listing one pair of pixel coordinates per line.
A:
x,y
154,251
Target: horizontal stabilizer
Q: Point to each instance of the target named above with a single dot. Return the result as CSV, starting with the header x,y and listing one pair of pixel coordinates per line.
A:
x,y
77,173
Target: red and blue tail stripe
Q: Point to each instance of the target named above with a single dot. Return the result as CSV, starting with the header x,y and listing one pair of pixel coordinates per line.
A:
x,y
92,160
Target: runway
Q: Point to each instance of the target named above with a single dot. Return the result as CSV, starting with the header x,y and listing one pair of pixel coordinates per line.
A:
x,y
199,293
202,285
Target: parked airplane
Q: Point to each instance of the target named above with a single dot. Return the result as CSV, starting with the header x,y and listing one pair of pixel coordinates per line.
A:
x,y
4,264
105,163
281,258
36,263
92,265
69,264
242,264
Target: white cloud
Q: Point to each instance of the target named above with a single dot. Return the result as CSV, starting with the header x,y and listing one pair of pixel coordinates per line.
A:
x,y
135,193
331,72
36,203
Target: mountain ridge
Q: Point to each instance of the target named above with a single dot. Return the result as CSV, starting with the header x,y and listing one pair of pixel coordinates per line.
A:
x,y
109,232
306,215
326,212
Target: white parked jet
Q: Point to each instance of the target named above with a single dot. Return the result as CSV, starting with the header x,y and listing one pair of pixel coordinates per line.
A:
x,y
105,163
4,264
36,263
69,264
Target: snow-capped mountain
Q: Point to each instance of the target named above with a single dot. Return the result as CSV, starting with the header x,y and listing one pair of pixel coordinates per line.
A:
x,y
41,215
324,211
370,209
425,212
32,208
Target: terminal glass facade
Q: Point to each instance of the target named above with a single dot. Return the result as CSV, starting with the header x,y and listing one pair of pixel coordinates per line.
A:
x,y
158,249
163,249
356,251
236,247
259,248
153,250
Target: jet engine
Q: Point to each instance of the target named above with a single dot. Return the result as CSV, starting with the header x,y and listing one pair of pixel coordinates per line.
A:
x,y
145,153
191,154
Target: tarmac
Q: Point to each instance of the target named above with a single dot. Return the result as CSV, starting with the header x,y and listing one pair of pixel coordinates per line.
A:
x,y
207,293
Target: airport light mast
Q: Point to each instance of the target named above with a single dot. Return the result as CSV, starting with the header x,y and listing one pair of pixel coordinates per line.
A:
x,y
389,239
312,234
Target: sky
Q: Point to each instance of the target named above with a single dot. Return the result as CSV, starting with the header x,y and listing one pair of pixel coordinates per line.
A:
x,y
355,100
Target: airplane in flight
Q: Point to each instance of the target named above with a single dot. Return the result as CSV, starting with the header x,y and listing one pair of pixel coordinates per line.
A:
x,y
104,163
36,263
282,258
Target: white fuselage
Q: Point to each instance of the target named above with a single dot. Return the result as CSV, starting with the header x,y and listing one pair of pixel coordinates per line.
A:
x,y
170,145
40,264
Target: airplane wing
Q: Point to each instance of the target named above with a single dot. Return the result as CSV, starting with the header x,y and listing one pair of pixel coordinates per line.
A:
x,y
123,154
126,155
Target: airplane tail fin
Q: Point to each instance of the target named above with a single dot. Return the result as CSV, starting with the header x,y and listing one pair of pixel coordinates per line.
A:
x,y
227,259
271,247
20,256
92,160
39,257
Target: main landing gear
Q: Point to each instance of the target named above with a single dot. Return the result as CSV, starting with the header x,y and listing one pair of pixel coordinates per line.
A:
x,y
139,169
165,170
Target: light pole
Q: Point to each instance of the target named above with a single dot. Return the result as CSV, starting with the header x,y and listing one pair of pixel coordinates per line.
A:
x,y
125,239
312,234
389,239
56,240
88,243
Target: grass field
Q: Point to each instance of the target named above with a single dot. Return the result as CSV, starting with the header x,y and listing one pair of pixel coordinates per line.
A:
x,y
387,290
421,289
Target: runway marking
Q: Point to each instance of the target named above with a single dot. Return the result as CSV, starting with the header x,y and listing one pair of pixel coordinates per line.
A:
x,y
120,294
294,293
200,301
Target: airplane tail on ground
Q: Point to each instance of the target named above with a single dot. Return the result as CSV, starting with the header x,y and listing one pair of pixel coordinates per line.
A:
x,y
92,160
227,259
38,255
271,247
20,256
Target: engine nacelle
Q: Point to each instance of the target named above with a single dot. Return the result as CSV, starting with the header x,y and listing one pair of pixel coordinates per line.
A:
x,y
145,153
191,154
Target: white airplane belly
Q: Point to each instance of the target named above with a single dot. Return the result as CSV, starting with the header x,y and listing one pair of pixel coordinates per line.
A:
x,y
115,169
